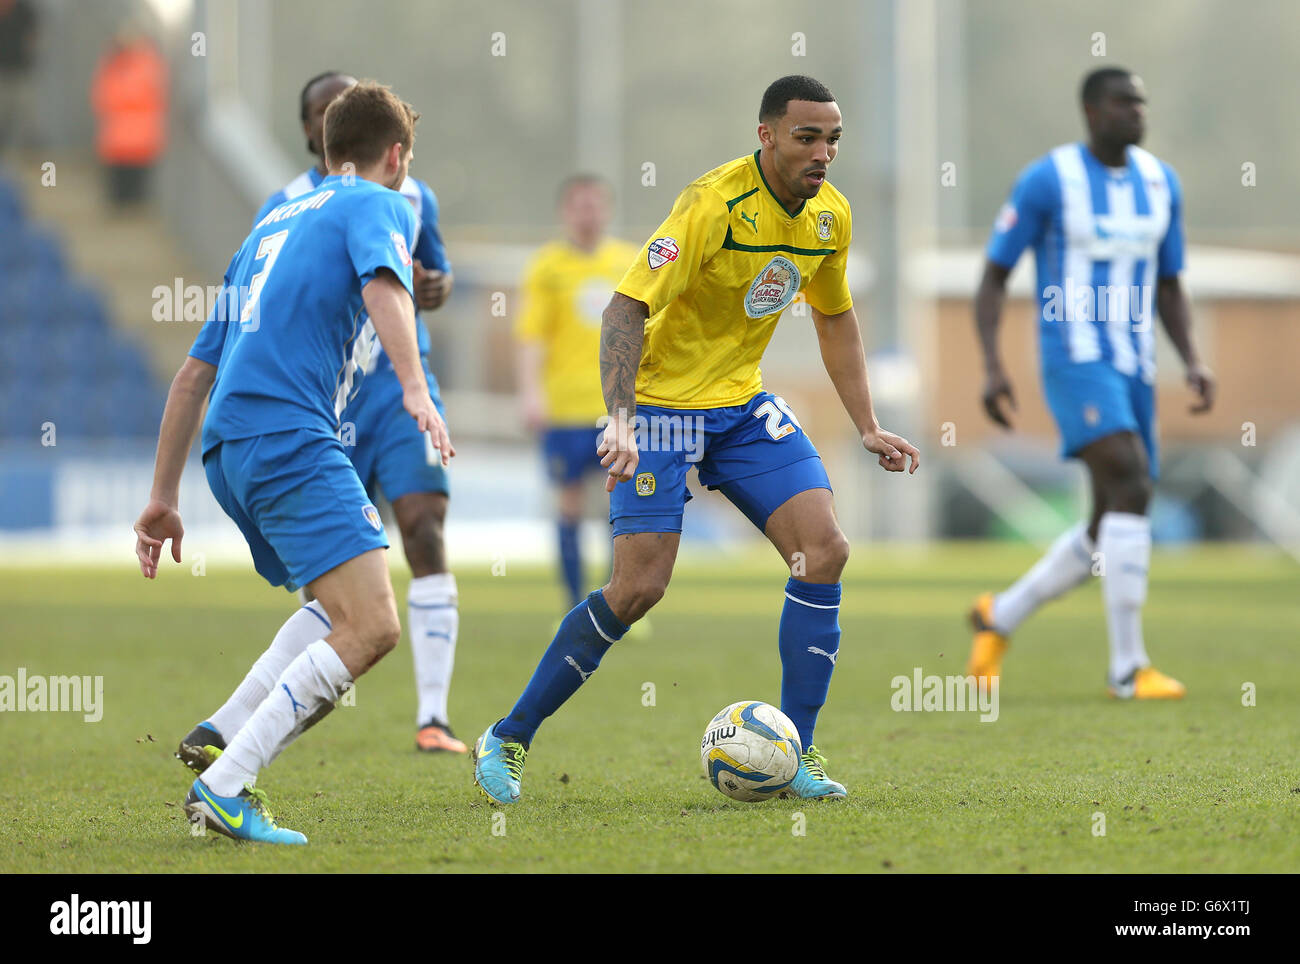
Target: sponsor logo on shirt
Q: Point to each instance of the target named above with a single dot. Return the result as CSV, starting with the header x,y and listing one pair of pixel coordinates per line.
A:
x,y
1006,219
773,289
399,243
662,251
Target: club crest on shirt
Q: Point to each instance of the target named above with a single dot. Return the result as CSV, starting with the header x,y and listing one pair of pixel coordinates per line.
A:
x,y
645,483
399,243
372,516
825,223
773,288
662,251
1091,415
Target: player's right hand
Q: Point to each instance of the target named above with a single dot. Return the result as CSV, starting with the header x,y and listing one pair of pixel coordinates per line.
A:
x,y
617,451
157,523
534,411
997,387
421,408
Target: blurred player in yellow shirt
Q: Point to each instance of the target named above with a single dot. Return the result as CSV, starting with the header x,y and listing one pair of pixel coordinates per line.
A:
x,y
567,286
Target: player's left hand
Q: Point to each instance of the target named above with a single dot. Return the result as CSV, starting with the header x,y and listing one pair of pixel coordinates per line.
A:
x,y
432,287
157,523
1201,381
892,450
420,407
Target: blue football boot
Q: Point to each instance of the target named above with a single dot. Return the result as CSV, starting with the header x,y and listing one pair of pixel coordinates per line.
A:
x,y
811,782
498,766
245,816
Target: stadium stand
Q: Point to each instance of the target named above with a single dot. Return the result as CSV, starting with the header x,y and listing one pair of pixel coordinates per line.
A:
x,y
65,361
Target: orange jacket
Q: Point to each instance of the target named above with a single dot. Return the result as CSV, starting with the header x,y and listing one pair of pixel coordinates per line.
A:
x,y
129,97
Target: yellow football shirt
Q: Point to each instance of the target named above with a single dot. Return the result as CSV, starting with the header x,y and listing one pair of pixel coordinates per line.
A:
x,y
716,276
565,291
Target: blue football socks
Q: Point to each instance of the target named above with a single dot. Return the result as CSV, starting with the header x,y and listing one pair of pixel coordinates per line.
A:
x,y
584,635
810,643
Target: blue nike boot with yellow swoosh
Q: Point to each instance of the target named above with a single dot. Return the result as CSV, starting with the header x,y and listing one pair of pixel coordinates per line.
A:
x,y
498,766
811,782
245,816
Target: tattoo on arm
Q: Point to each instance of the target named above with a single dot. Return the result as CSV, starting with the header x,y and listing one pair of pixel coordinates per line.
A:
x,y
622,332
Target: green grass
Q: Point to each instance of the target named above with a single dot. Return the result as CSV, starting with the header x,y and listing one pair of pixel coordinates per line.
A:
x,y
612,785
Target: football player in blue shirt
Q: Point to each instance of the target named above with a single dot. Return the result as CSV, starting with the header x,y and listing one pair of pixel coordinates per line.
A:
x,y
388,452
279,355
1105,220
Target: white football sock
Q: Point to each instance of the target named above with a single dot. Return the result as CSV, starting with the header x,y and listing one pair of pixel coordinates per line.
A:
x,y
433,620
1067,564
1124,540
315,678
303,627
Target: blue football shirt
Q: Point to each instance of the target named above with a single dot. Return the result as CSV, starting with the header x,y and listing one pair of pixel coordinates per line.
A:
x,y
286,335
428,248
1102,237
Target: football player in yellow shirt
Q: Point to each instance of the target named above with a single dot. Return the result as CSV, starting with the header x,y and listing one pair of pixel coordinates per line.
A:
x,y
567,286
680,346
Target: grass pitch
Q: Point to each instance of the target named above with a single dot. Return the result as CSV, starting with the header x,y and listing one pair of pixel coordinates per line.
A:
x,y
614,785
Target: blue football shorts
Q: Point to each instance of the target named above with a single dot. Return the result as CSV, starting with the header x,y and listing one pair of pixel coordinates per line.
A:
x,y
1091,400
756,454
390,453
569,452
298,502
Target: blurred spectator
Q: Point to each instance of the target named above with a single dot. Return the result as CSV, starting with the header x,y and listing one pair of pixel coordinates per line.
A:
x,y
129,97
17,57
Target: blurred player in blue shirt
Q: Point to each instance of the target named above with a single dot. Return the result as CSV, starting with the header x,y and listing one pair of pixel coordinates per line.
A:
x,y
1105,221
280,355
389,454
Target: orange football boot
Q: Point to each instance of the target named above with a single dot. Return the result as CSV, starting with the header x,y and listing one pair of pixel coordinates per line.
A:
x,y
986,651
438,738
1147,683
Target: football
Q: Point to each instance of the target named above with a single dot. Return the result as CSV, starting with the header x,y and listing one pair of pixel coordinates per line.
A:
x,y
750,751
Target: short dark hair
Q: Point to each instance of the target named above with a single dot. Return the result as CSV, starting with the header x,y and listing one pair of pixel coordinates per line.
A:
x,y
581,179
780,92
364,121
1095,83
306,89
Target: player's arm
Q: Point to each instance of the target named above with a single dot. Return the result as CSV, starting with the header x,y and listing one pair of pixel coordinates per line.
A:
x,y
388,302
182,416
433,276
532,330
840,341
666,265
989,298
1172,304
1176,316
529,357
622,335
1020,223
